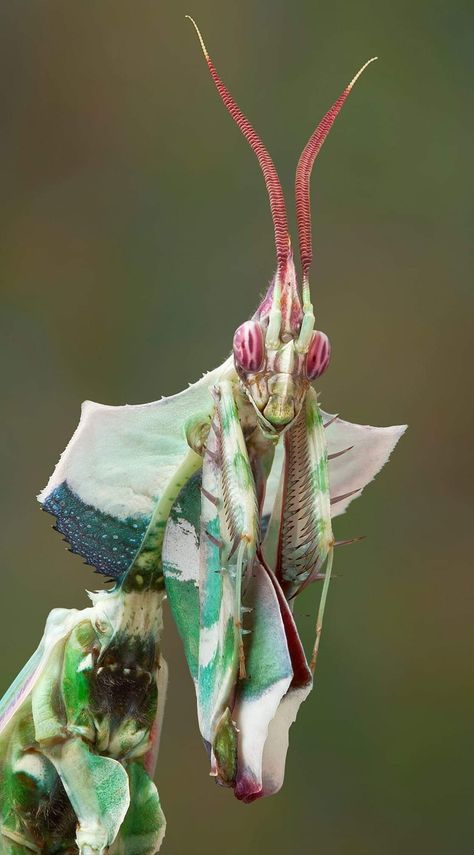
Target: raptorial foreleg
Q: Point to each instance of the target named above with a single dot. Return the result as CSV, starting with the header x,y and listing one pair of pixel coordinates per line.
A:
x,y
303,514
229,533
305,543
236,499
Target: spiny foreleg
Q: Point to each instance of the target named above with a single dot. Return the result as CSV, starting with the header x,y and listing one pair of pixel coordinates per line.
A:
x,y
304,510
239,507
306,542
229,530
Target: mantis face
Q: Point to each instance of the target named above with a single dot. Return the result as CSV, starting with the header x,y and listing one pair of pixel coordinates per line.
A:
x,y
278,354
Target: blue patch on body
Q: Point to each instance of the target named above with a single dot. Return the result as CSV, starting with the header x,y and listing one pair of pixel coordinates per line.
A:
x,y
106,543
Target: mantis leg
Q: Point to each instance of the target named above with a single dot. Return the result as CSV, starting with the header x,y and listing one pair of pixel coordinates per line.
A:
x,y
302,516
229,529
143,828
147,568
237,499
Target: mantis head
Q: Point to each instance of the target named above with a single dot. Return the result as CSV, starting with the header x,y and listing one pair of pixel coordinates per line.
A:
x,y
280,351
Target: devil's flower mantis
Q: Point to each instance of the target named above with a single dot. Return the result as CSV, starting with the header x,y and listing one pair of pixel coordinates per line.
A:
x,y
223,497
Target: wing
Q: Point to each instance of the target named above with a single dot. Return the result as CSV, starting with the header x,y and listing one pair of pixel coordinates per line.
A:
x,y
116,467
59,624
369,449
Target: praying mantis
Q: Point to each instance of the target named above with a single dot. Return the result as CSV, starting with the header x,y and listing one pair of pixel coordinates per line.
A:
x,y
221,498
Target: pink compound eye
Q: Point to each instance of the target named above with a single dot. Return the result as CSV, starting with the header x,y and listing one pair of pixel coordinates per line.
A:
x,y
249,347
318,356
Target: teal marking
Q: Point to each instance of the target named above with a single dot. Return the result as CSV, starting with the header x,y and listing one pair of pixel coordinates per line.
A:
x,y
106,543
212,589
184,602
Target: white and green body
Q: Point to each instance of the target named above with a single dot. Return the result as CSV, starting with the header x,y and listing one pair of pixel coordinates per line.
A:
x,y
127,465
231,587
224,497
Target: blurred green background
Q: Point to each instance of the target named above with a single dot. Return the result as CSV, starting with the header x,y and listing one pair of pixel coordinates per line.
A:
x,y
135,236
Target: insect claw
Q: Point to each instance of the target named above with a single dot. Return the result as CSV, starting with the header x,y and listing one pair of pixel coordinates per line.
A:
x,y
331,420
234,547
210,497
213,539
345,496
340,453
350,540
212,454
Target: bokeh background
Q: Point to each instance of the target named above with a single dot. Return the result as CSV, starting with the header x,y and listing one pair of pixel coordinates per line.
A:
x,y
135,236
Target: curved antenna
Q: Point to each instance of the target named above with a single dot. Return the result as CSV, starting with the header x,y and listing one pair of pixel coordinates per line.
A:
x,y
303,177
275,193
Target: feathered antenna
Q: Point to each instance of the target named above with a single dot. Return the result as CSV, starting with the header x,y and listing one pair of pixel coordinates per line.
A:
x,y
303,177
275,193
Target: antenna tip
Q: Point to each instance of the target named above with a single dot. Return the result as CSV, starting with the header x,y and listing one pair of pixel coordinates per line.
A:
x,y
354,79
201,40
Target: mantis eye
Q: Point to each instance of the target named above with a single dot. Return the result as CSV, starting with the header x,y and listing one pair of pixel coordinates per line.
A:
x,y
318,356
249,346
